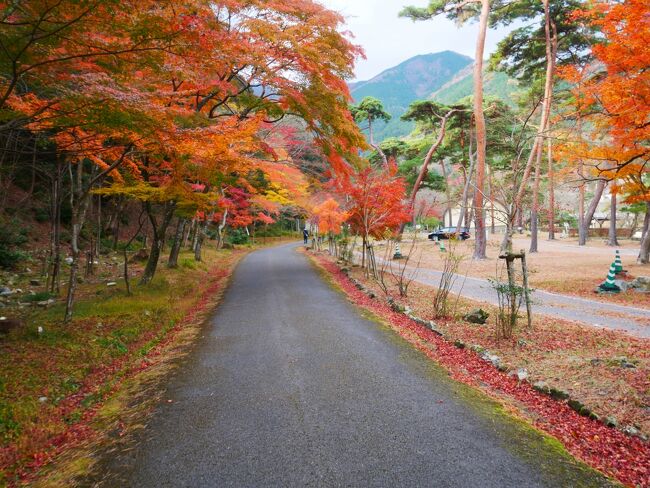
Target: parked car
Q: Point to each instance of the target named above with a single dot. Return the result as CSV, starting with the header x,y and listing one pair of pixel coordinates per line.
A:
x,y
449,233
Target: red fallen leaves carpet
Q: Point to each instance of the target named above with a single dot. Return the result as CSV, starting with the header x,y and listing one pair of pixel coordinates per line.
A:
x,y
625,458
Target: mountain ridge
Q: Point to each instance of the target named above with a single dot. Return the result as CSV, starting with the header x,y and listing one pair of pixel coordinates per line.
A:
x,y
444,76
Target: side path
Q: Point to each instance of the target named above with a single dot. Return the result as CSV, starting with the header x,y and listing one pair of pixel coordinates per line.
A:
x,y
590,312
291,386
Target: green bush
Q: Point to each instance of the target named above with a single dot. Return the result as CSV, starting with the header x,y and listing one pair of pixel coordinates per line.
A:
x,y
188,263
430,222
38,297
238,236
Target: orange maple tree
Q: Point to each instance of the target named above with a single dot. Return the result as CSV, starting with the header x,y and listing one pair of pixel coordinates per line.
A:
x,y
611,98
375,201
329,217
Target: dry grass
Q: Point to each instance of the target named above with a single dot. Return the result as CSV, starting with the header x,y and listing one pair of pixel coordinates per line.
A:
x,y
561,266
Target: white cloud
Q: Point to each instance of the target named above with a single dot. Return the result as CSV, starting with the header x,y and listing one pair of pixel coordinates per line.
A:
x,y
388,40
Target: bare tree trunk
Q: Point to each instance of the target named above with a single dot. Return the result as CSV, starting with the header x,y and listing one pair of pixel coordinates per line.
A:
x,y
172,262
644,252
447,193
551,48
55,252
159,232
588,217
646,221
117,222
468,181
479,120
79,201
492,216
98,245
427,159
612,240
199,235
551,192
127,282
376,147
220,228
534,213
582,237
188,232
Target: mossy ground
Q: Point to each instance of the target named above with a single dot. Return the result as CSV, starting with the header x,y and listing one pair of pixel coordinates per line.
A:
x,y
84,383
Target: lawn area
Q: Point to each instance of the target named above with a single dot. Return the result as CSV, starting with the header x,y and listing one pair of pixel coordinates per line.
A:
x,y
560,266
53,383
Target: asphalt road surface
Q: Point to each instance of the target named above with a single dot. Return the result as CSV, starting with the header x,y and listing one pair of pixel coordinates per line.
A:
x,y
292,386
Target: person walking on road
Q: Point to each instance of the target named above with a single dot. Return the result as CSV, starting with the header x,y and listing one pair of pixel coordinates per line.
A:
x,y
305,235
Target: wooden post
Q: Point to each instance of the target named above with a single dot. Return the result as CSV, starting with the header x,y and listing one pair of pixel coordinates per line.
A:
x,y
510,257
524,270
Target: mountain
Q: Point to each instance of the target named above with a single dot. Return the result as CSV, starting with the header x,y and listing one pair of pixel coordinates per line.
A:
x,y
414,79
445,77
496,84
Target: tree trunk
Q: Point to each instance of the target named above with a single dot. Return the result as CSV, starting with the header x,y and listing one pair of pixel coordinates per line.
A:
x,y
376,147
98,245
116,223
79,200
644,252
158,238
172,262
492,216
55,253
220,228
188,233
199,235
534,213
447,193
646,221
152,262
583,231
464,198
551,48
479,119
582,237
551,192
612,240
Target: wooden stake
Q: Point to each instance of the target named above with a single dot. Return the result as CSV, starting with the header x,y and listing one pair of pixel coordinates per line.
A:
x,y
524,270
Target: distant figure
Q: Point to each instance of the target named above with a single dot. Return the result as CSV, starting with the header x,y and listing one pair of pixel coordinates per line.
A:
x,y
305,235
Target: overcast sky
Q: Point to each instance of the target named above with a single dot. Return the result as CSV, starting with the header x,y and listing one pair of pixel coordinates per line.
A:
x,y
388,40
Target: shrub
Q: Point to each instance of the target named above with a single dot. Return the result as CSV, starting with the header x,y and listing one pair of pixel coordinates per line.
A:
x,y
38,297
238,236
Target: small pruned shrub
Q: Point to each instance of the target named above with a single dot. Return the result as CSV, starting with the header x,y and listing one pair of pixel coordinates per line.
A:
x,y
41,296
451,263
510,298
238,236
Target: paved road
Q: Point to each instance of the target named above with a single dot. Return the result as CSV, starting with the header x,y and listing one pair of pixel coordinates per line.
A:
x,y
291,386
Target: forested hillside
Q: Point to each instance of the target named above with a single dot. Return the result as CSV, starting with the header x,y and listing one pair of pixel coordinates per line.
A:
x,y
414,79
